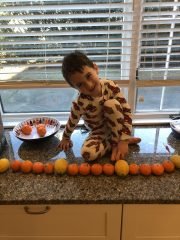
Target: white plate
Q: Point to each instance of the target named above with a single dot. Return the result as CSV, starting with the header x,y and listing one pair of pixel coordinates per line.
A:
x,y
175,124
52,127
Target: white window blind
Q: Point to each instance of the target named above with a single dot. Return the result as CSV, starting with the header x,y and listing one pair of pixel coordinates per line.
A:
x,y
159,54
35,36
158,67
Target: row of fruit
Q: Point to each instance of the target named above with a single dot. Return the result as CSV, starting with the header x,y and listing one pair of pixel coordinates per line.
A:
x,y
120,167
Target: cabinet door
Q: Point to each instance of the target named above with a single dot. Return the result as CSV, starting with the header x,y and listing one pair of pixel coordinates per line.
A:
x,y
60,222
151,222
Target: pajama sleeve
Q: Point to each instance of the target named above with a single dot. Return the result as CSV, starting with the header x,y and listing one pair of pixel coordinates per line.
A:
x,y
125,109
73,120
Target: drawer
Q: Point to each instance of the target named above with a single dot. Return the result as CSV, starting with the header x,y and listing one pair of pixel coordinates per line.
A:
x,y
67,221
151,221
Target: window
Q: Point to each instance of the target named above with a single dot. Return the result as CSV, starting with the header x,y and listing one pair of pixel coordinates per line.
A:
x,y
135,43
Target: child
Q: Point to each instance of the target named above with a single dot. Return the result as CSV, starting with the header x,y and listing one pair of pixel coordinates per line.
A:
x,y
103,108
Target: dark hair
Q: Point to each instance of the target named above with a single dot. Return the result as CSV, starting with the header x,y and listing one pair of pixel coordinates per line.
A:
x,y
74,62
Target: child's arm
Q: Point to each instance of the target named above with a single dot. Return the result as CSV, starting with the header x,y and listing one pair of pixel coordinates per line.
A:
x,y
73,120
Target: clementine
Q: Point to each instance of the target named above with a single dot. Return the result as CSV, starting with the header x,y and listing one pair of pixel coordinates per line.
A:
x,y
26,166
157,169
168,166
41,131
15,165
73,169
26,129
133,169
41,125
145,169
108,169
84,169
96,169
49,168
38,167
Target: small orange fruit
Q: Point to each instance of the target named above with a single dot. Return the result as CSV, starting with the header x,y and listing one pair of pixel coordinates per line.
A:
x,y
72,169
168,166
41,131
157,169
96,169
108,169
145,169
15,165
38,167
41,125
133,169
26,166
26,129
84,169
49,168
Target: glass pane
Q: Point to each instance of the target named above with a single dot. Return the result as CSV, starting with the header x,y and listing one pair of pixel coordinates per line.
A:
x,y
158,99
172,98
148,99
37,100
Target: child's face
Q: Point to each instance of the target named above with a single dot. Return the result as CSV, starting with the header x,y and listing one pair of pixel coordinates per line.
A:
x,y
87,82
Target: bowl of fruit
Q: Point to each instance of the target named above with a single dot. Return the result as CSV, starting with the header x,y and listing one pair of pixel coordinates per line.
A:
x,y
37,128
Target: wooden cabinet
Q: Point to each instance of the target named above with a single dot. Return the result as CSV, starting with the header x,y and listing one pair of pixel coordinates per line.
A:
x,y
60,222
151,222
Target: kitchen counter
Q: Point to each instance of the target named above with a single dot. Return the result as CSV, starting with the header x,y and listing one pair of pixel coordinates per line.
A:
x,y
19,188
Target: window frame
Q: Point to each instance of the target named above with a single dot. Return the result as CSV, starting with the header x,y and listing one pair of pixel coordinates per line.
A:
x,y
132,85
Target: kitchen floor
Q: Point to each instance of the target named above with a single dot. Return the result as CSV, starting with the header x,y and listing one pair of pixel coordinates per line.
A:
x,y
151,148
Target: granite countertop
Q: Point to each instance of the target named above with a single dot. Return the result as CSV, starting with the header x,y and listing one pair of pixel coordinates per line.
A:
x,y
19,188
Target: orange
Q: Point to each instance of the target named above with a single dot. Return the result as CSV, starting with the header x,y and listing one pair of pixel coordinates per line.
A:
x,y
41,125
157,169
84,169
145,169
133,169
168,166
38,167
49,168
72,169
96,169
15,165
108,169
26,129
41,131
26,166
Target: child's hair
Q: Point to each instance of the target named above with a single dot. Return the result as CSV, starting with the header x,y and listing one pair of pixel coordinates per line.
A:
x,y
74,62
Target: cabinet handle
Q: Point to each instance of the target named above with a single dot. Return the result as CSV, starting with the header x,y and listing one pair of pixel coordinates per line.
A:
x,y
28,211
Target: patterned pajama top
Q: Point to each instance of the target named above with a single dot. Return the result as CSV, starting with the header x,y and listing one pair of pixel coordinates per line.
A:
x,y
91,110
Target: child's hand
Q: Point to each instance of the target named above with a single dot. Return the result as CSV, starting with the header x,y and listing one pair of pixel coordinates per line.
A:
x,y
65,144
119,150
